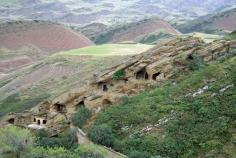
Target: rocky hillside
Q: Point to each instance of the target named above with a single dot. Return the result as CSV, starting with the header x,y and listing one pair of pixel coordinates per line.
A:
x,y
133,31
56,74
128,78
225,21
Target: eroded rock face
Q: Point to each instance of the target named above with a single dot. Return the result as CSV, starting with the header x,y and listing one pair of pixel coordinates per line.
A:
x,y
141,71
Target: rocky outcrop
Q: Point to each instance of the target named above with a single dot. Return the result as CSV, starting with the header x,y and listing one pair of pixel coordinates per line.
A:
x,y
131,76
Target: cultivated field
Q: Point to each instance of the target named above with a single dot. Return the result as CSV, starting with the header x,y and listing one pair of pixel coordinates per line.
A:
x,y
110,50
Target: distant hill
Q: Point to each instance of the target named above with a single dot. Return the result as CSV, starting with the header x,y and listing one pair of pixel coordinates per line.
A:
x,y
84,12
225,21
132,31
92,30
23,42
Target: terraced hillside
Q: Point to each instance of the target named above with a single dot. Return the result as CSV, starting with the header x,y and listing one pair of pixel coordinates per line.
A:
x,y
59,73
225,21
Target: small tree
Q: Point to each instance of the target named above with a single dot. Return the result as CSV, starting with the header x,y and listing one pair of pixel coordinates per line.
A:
x,y
102,134
14,140
118,75
80,118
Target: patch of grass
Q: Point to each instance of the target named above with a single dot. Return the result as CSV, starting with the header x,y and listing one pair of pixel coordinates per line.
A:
x,y
109,50
14,103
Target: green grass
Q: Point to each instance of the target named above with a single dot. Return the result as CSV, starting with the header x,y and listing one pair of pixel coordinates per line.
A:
x,y
199,126
110,50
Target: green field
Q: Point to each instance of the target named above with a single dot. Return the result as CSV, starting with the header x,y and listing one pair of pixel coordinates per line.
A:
x,y
110,50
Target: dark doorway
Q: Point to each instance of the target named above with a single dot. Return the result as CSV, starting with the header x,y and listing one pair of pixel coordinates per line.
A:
x,y
44,122
142,74
11,121
154,76
60,107
104,88
80,104
34,119
38,122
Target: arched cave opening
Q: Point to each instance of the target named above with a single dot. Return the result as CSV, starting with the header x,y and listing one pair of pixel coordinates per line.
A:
x,y
142,74
38,122
11,121
104,88
154,76
44,122
80,104
60,107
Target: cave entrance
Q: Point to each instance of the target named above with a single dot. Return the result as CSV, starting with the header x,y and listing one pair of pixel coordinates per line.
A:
x,y
11,121
106,102
80,104
154,76
44,122
142,74
34,119
104,88
60,107
38,122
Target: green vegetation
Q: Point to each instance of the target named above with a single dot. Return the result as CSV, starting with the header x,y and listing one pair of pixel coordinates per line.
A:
x,y
232,35
14,141
101,134
186,126
67,140
110,50
80,118
118,75
17,142
14,103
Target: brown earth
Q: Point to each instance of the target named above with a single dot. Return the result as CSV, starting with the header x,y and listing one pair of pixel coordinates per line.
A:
x,y
29,41
226,23
48,37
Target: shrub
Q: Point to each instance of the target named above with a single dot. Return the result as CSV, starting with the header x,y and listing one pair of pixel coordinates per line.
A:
x,y
14,140
56,152
101,134
67,140
118,75
138,154
80,118
195,62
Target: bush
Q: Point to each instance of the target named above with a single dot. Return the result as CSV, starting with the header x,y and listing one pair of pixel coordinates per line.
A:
x,y
67,140
195,62
56,152
138,154
14,140
118,75
101,134
80,118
